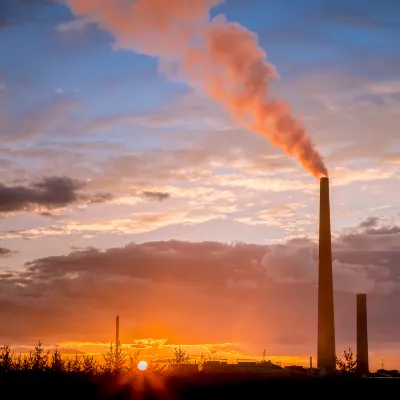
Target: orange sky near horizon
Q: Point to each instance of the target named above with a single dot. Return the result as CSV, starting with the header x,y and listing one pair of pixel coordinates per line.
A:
x,y
160,350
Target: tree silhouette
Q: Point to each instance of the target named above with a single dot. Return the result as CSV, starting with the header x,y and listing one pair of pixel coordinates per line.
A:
x,y
38,358
26,363
109,360
202,361
110,356
57,363
348,364
120,364
6,358
89,365
74,364
133,361
180,356
18,363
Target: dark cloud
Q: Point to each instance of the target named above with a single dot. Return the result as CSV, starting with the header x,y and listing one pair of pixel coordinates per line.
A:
x,y
381,100
5,252
384,230
98,198
160,196
370,222
19,11
49,193
154,283
361,14
359,20
5,13
47,214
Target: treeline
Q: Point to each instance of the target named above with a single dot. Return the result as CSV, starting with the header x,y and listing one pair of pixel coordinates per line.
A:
x,y
41,360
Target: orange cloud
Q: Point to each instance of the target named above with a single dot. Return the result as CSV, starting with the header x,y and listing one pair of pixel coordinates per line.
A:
x,y
227,64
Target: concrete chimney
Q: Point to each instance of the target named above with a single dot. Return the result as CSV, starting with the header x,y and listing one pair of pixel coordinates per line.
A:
x,y
117,343
362,335
326,320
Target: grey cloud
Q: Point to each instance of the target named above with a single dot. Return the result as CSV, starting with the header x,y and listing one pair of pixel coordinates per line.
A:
x,y
384,230
19,11
160,196
370,222
98,198
49,193
381,100
359,251
360,13
373,242
5,252
40,121
143,261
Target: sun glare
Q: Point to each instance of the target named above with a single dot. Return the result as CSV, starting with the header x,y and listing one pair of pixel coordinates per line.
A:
x,y
142,365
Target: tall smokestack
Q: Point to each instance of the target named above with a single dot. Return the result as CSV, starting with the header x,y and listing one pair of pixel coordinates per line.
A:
x,y
362,335
117,343
326,319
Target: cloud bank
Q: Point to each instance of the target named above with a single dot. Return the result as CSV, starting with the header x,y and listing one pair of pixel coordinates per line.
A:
x,y
181,291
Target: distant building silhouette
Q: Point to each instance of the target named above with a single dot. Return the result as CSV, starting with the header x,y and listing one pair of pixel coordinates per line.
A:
x,y
244,367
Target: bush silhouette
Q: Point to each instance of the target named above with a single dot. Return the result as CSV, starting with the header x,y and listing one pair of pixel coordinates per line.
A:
x,y
348,364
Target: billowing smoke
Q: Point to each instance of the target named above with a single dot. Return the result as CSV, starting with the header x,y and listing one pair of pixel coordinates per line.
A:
x,y
221,58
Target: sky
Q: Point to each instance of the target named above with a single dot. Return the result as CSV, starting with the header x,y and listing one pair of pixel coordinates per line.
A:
x,y
129,189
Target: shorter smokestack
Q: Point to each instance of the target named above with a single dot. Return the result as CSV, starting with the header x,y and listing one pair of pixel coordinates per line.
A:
x,y
362,335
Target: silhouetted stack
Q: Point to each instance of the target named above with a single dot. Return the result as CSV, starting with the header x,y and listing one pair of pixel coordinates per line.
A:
x,y
362,335
326,319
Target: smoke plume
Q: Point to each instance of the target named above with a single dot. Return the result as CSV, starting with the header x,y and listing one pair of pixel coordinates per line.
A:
x,y
221,58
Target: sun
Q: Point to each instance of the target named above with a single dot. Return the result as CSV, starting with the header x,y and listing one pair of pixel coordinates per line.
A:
x,y
142,365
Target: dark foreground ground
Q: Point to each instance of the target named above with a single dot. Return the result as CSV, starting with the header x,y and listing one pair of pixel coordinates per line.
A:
x,y
43,387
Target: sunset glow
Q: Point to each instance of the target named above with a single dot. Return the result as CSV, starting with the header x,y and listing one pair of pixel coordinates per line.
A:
x,y
158,161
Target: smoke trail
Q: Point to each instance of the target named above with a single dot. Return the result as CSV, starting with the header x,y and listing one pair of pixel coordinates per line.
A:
x,y
220,57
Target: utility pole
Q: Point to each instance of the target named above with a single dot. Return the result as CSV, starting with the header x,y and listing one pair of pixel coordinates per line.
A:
x,y
117,343
264,353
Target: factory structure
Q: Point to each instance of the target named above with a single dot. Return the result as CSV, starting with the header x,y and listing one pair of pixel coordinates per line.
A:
x,y
244,368
326,347
326,351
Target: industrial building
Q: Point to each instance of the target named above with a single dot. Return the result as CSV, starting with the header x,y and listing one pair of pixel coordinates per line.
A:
x,y
244,367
